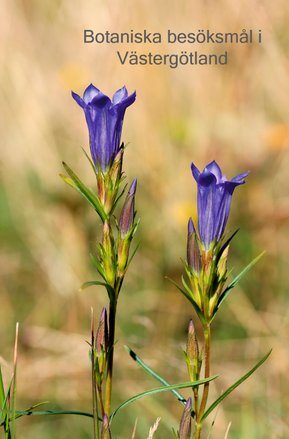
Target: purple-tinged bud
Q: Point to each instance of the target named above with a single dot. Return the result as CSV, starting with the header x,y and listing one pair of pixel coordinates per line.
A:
x,y
193,251
186,421
105,432
191,227
193,358
102,333
132,188
128,212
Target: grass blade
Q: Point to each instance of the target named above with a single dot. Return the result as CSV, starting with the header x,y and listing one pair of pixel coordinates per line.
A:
x,y
233,387
153,374
244,271
159,390
14,387
31,412
2,392
52,412
5,412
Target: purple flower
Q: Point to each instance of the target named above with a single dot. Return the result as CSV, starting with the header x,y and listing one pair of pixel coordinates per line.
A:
x,y
214,200
104,119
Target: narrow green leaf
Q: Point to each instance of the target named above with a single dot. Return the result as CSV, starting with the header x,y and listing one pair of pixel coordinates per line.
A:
x,y
5,410
54,412
2,391
132,255
225,245
3,400
159,390
247,268
152,373
21,413
90,161
14,380
32,407
98,266
27,411
236,280
7,395
233,387
109,289
88,194
190,299
117,198
175,434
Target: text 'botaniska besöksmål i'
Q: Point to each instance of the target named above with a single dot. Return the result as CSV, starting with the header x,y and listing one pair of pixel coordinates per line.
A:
x,y
182,41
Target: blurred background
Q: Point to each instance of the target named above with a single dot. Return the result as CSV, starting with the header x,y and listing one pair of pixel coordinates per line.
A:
x,y
237,114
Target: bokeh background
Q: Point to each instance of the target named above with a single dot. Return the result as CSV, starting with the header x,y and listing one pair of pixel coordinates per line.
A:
x,y
237,114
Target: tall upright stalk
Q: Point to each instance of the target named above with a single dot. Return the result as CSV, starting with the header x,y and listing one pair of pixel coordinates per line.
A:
x,y
207,359
110,354
206,269
93,383
207,366
104,117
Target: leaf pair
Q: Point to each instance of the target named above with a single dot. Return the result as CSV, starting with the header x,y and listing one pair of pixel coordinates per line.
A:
x,y
186,290
173,389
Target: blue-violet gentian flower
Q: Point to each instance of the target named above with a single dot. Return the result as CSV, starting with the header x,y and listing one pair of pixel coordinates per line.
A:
x,y
104,119
214,201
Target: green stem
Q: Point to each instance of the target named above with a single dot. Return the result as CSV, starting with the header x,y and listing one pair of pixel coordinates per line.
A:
x,y
94,394
99,389
111,337
198,431
207,359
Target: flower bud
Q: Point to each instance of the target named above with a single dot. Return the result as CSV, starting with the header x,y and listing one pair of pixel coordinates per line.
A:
x,y
126,229
116,167
108,254
222,264
193,251
192,353
128,212
100,344
102,333
186,421
192,343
